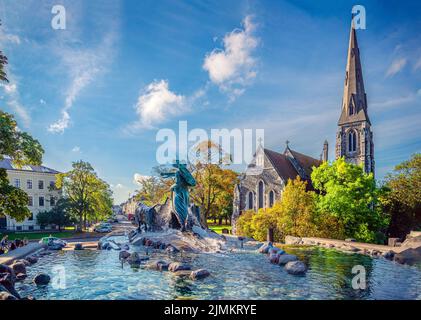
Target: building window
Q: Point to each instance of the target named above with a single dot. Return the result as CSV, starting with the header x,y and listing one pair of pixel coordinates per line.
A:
x,y
250,201
29,184
41,201
31,217
271,198
40,184
52,201
52,184
31,228
261,194
19,228
352,141
17,183
260,161
30,201
351,109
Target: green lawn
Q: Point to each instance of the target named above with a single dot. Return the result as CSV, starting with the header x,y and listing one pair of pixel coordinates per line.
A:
x,y
38,235
218,228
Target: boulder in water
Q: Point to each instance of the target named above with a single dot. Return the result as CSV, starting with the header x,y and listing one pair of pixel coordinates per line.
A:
x,y
296,268
388,255
177,266
7,283
275,250
285,258
123,255
42,279
5,295
78,246
21,276
18,267
199,274
171,249
159,265
32,259
408,256
265,247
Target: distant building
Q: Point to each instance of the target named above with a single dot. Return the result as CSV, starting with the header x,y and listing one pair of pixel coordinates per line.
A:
x,y
36,182
129,207
116,209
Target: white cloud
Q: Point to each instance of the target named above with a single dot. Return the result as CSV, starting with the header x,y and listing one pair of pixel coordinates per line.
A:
x,y
396,66
42,101
83,65
13,100
8,37
156,104
10,87
76,149
232,67
138,178
20,111
119,186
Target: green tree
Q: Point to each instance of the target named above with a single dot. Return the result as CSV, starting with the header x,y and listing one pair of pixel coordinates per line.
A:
x,y
403,201
3,62
59,215
213,192
22,149
296,210
13,201
90,197
244,224
153,190
350,196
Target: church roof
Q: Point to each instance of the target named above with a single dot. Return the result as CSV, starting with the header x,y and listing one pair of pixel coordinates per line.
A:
x,y
306,162
282,165
285,167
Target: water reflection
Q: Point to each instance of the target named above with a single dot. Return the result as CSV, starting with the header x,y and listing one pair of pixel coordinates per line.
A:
x,y
239,275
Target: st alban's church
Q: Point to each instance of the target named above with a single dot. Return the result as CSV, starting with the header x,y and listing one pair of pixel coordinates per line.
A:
x,y
354,141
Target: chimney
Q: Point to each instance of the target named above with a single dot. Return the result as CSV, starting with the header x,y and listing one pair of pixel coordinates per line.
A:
x,y
325,151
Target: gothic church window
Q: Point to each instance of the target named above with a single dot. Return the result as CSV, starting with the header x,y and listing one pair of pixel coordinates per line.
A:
x,y
352,141
271,198
250,201
261,195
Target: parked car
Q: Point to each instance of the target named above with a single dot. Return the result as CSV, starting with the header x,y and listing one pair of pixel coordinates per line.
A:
x,y
103,228
53,243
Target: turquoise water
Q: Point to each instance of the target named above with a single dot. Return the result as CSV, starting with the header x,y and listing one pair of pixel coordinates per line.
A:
x,y
236,275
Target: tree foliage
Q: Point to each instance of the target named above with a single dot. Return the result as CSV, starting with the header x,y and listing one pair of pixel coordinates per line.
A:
x,y
215,184
403,199
13,201
350,196
90,197
294,214
3,63
153,190
22,149
346,204
59,215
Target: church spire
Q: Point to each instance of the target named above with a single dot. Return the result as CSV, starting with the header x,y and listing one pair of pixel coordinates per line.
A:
x,y
354,140
354,103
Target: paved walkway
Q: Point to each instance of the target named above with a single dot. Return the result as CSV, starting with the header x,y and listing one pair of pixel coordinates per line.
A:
x,y
359,245
19,253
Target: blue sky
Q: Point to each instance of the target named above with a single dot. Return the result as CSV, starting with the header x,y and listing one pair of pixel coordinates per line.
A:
x,y
121,70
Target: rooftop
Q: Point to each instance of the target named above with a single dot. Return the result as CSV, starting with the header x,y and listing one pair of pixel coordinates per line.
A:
x,y
9,165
